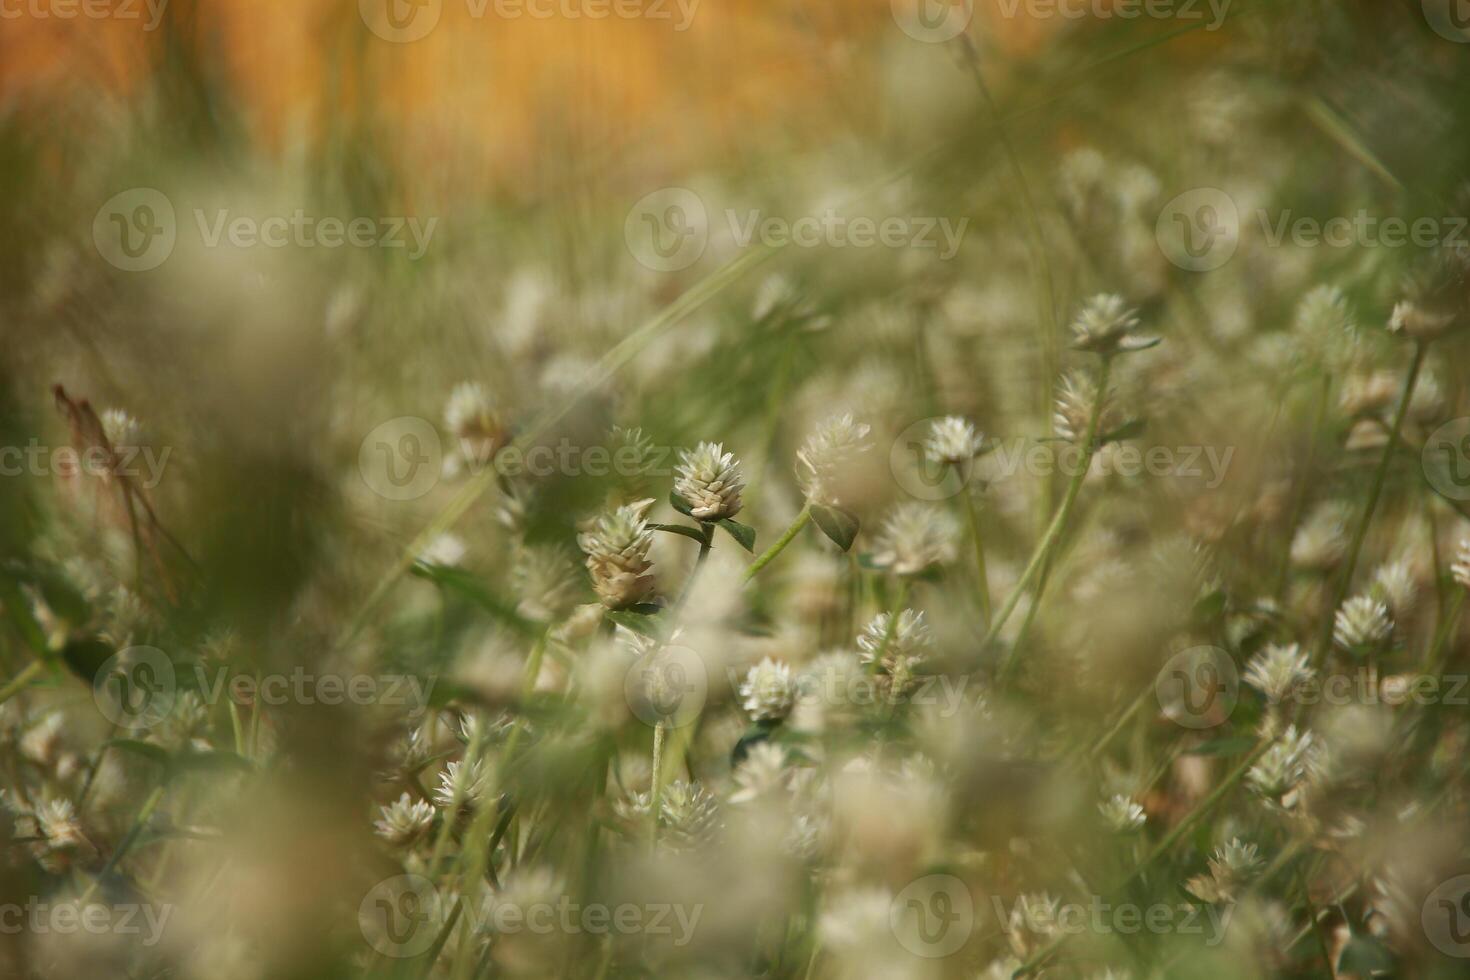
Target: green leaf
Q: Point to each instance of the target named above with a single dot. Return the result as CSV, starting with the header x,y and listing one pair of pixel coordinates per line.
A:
x,y
680,504
838,524
743,533
688,532
1128,430
149,751
1364,956
1224,746
637,622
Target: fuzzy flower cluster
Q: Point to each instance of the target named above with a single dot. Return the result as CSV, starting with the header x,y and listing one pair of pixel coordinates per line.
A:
x,y
1362,624
768,691
709,479
617,546
1233,864
952,440
1106,326
828,451
914,537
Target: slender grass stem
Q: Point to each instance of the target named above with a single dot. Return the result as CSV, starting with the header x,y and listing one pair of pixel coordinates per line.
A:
x,y
1053,534
655,792
982,577
1375,490
22,680
791,532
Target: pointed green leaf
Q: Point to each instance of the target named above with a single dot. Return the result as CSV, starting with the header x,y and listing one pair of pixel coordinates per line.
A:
x,y
838,524
637,622
688,532
743,533
149,751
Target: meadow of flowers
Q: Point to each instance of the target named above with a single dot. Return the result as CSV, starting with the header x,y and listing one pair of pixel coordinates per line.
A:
x,y
994,504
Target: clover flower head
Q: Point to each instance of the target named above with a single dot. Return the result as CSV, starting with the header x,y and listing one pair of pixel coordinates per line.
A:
x,y
1279,671
952,440
1105,325
1363,622
914,537
1122,814
709,479
617,545
404,821
831,447
909,642
768,691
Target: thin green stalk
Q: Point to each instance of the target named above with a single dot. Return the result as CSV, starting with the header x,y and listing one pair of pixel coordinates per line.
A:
x,y
781,543
655,793
144,815
982,577
1054,532
1355,549
21,681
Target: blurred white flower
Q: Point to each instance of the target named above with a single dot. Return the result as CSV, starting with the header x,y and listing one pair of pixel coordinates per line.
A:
x,y
1279,671
952,440
617,545
909,643
446,550
1461,568
404,821
768,691
1122,814
915,536
1363,622
1105,325
821,460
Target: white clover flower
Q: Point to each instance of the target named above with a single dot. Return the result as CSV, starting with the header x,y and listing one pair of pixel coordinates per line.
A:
x,y
524,888
544,580
471,417
1411,320
1461,568
1279,671
404,821
1072,411
688,818
1233,864
832,447
1394,584
761,774
1283,766
473,783
1122,814
768,691
1321,540
1036,913
952,440
121,429
1325,327
1362,622
446,550
709,479
617,545
1105,325
915,536
909,644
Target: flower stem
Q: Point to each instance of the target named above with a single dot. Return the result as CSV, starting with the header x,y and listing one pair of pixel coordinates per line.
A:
x,y
1054,532
1355,549
982,577
655,793
781,543
22,680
